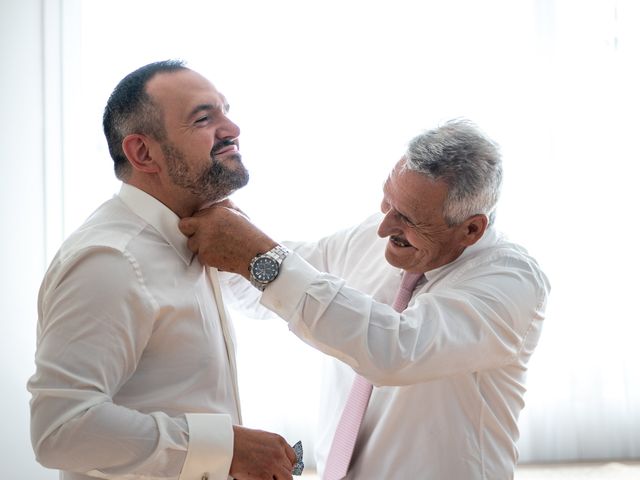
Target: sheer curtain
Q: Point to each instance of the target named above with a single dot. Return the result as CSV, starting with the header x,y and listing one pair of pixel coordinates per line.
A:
x,y
327,93
584,398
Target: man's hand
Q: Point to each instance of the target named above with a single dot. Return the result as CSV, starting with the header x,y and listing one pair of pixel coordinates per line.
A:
x,y
259,455
225,238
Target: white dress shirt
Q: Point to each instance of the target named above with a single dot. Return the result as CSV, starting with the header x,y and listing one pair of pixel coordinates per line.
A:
x,y
449,371
135,370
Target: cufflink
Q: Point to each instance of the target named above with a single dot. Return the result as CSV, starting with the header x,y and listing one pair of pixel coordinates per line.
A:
x,y
299,466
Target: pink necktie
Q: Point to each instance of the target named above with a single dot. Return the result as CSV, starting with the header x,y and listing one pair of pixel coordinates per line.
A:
x,y
349,424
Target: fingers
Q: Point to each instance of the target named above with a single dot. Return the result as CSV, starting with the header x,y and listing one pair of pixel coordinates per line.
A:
x,y
291,454
192,244
234,207
225,203
261,455
283,474
188,226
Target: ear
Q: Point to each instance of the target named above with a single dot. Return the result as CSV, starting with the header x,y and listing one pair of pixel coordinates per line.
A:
x,y
473,228
137,149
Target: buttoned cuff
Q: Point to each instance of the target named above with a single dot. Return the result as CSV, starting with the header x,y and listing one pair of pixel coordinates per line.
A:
x,y
283,295
210,447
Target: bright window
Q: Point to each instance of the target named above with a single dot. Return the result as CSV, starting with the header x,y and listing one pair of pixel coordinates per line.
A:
x,y
328,92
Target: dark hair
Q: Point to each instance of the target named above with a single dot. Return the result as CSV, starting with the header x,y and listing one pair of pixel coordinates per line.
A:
x,y
130,109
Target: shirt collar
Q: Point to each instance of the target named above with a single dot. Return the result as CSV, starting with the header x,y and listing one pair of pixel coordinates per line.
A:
x,y
159,216
487,238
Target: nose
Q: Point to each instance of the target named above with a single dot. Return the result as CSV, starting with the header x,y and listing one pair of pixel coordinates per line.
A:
x,y
227,129
389,223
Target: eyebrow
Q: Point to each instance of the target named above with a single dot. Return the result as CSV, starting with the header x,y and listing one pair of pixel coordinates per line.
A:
x,y
384,191
208,107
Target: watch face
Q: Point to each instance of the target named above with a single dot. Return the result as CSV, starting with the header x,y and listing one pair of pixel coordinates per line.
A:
x,y
265,269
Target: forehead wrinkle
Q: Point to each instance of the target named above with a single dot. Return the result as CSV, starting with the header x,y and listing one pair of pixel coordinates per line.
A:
x,y
421,216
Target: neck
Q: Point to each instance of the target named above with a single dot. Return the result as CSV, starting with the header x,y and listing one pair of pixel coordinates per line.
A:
x,y
175,200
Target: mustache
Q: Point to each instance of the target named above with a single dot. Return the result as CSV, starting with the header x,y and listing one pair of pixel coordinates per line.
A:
x,y
221,144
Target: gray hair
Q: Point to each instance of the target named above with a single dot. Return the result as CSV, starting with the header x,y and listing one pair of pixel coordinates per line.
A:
x,y
468,161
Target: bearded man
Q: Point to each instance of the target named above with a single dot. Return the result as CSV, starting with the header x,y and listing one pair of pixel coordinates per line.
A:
x,y
135,367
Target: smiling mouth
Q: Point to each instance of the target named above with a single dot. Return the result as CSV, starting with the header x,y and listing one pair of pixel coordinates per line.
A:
x,y
224,146
399,242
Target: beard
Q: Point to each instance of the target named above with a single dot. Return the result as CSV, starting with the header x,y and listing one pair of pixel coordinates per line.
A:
x,y
214,183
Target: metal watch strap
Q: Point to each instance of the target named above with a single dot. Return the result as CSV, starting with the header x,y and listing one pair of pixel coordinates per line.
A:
x,y
278,253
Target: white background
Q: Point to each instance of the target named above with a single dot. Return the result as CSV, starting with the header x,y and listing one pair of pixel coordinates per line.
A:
x,y
326,95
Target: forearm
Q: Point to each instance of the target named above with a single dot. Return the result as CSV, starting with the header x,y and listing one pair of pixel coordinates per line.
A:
x,y
107,440
439,335
243,297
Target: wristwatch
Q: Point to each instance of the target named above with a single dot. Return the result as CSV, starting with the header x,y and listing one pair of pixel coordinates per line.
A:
x,y
264,268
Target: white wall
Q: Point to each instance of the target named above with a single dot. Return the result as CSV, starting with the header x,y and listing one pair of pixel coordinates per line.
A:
x,y
22,240
567,125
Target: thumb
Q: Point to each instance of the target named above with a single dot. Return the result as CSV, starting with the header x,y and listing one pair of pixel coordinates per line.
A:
x,y
226,203
188,226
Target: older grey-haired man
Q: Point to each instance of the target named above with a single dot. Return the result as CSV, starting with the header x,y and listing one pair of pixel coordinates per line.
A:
x,y
448,371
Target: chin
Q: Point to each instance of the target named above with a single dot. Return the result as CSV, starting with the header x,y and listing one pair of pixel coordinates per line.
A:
x,y
404,263
234,157
393,260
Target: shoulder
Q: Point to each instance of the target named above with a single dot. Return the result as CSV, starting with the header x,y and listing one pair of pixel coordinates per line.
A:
x,y
510,254
496,248
499,264
98,251
495,257
113,225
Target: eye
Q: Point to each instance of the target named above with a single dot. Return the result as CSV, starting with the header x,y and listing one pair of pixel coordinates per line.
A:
x,y
202,119
404,219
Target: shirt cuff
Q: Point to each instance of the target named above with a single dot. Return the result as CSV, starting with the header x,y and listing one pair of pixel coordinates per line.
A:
x,y
283,295
210,447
